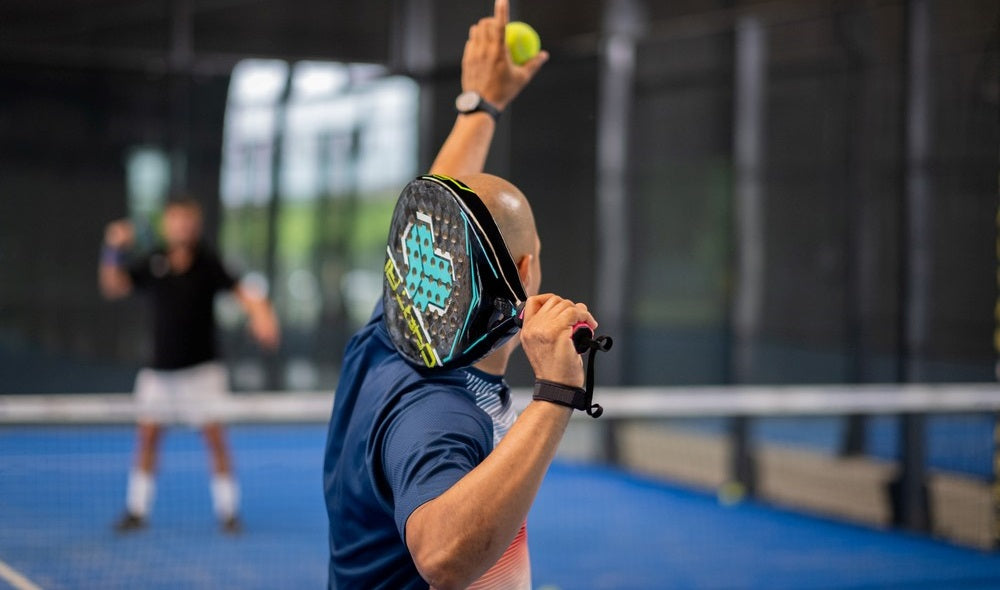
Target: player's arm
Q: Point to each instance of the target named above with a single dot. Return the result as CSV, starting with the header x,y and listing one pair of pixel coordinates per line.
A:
x,y
112,277
454,538
487,70
262,319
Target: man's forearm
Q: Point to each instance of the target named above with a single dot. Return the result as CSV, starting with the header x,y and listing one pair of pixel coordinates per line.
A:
x,y
114,282
464,151
263,321
460,534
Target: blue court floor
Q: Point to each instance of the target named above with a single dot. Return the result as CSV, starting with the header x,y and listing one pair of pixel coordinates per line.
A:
x,y
62,487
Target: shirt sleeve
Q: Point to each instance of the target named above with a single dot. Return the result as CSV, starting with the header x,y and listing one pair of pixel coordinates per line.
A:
x,y
430,444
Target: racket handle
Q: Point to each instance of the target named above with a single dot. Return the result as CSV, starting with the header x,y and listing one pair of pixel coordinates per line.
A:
x,y
583,334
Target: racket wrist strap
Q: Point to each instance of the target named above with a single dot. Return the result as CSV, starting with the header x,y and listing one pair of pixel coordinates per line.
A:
x,y
563,395
598,344
578,398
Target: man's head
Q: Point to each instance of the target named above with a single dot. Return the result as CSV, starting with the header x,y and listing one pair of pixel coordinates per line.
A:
x,y
459,260
182,222
512,213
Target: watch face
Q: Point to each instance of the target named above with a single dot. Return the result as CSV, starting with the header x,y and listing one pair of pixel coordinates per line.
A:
x,y
467,102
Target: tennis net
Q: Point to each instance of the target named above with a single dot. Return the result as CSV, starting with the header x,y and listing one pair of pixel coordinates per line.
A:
x,y
869,455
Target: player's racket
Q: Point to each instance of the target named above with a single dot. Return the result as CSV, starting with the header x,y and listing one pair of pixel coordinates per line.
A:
x,y
451,290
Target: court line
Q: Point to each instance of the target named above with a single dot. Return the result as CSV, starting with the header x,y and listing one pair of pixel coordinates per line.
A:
x,y
16,578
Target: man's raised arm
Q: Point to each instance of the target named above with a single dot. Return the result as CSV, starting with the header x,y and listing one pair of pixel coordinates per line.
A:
x,y
489,73
112,278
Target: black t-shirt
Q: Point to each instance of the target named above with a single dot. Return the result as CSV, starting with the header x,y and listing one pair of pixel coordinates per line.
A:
x,y
183,305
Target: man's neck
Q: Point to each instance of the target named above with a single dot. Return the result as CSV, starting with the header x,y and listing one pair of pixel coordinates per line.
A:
x,y
496,363
181,256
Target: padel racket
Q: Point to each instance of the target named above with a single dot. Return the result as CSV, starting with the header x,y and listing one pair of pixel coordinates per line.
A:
x,y
451,292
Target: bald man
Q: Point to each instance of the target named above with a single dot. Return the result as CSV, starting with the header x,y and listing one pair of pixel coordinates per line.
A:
x,y
429,477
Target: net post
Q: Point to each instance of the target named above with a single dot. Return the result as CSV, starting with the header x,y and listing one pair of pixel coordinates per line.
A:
x,y
621,28
854,440
610,445
750,89
910,501
909,489
996,417
996,479
742,467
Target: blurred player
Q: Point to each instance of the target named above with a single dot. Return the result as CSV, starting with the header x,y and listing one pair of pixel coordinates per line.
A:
x,y
429,477
185,382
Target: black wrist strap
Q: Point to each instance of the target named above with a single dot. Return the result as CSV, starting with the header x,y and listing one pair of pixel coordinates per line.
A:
x,y
557,393
576,397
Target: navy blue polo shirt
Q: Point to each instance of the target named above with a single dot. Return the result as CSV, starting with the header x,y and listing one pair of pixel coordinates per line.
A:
x,y
397,439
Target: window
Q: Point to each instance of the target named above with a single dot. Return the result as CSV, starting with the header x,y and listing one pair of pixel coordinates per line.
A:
x,y
314,155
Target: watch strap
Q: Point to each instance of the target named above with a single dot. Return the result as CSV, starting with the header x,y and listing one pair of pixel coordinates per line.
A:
x,y
487,107
482,105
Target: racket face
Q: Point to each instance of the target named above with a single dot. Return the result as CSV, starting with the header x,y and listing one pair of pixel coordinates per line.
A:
x,y
450,288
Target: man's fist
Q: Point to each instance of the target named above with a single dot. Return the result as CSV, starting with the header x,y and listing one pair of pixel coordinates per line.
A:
x,y
487,67
119,234
547,338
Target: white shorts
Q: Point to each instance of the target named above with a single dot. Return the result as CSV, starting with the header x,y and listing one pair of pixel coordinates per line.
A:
x,y
194,395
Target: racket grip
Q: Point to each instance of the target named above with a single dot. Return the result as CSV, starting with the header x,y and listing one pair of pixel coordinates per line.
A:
x,y
583,334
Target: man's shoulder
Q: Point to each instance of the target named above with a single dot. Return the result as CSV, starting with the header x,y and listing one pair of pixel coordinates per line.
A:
x,y
409,388
438,391
442,404
378,381
372,359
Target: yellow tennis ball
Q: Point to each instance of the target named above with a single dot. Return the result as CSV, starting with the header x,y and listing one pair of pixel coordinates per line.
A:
x,y
522,41
731,493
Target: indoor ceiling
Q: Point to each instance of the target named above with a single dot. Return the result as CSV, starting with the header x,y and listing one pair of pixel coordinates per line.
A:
x,y
209,36
197,35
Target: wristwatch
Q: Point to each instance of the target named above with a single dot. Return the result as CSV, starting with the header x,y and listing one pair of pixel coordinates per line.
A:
x,y
470,102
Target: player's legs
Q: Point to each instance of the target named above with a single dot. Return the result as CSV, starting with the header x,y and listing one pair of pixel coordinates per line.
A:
x,y
225,490
205,394
141,490
148,451
141,480
152,392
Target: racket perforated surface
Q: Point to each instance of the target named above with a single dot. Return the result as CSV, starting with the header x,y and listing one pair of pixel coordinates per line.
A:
x,y
451,290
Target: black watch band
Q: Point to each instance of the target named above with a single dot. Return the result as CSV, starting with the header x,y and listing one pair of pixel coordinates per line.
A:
x,y
557,393
471,102
488,108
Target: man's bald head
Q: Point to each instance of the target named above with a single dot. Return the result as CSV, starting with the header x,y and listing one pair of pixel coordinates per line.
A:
x,y
511,211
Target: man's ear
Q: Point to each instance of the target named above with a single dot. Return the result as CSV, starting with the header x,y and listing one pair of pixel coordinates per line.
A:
x,y
524,270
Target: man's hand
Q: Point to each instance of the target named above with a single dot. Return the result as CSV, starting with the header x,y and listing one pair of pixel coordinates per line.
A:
x,y
488,70
486,65
263,322
114,282
119,235
265,330
547,335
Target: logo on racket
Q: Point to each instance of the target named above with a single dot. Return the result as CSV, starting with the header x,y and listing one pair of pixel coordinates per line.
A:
x,y
429,276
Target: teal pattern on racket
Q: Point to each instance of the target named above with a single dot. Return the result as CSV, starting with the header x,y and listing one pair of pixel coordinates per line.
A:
x,y
451,291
